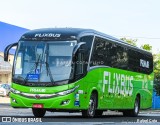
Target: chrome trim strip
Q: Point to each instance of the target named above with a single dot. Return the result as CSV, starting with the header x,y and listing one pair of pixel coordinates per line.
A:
x,y
88,68
38,96
43,96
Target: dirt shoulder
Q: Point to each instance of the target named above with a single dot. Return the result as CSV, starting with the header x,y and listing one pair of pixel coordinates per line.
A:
x,y
4,100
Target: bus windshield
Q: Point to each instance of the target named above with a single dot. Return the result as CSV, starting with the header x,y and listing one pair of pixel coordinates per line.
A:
x,y
41,61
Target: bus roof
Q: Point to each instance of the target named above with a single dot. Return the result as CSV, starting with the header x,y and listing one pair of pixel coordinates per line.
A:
x,y
70,33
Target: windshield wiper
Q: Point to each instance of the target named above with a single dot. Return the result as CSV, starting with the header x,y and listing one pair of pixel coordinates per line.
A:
x,y
36,63
19,80
48,68
25,80
49,72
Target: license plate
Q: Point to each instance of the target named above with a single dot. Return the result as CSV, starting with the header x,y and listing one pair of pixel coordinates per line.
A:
x,y
37,106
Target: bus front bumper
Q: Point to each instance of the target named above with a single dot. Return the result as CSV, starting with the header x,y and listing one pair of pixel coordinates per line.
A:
x,y
60,102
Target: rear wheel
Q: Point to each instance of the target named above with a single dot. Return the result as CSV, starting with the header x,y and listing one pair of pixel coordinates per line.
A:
x,y
133,112
38,112
90,112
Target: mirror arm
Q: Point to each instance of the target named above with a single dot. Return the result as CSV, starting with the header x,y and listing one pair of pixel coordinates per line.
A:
x,y
6,51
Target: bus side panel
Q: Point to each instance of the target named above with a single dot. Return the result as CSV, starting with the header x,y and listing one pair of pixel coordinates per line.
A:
x,y
147,88
117,89
94,79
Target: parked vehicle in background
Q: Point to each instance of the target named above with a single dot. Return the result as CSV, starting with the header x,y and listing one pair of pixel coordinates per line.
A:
x,y
4,89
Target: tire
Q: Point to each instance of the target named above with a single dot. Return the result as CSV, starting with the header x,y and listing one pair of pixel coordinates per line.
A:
x,y
37,112
98,113
133,112
90,112
126,113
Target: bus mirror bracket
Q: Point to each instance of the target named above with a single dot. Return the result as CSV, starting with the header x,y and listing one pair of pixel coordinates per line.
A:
x,y
77,47
6,51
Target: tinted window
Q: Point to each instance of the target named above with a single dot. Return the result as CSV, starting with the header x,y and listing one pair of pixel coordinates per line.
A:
x,y
109,53
99,52
140,62
88,40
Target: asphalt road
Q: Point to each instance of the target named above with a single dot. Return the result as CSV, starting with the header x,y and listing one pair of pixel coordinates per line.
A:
x,y
19,116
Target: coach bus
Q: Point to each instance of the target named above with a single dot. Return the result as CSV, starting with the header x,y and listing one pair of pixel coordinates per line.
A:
x,y
79,70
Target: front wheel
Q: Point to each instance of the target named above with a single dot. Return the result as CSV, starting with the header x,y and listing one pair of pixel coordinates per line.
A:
x,y
90,112
38,112
99,113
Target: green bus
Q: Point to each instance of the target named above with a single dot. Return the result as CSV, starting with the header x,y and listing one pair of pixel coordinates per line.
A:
x,y
79,70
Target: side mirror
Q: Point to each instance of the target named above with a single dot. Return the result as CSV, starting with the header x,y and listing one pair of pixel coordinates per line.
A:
x,y
6,51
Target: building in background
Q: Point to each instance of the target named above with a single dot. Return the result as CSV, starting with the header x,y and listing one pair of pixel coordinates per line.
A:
x,y
5,71
8,34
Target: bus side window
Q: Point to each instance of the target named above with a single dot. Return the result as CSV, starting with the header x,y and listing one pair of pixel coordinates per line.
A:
x,y
80,64
108,53
98,54
122,57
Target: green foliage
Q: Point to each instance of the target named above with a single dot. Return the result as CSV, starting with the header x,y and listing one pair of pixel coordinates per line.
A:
x,y
130,41
147,47
156,62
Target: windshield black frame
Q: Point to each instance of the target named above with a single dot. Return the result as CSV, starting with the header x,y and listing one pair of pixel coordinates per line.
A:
x,y
40,61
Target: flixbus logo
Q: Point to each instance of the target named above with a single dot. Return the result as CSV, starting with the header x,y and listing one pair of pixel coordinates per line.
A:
x,y
144,63
37,90
47,35
118,83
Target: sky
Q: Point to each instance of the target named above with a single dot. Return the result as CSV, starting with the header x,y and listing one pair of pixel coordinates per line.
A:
x,y
135,19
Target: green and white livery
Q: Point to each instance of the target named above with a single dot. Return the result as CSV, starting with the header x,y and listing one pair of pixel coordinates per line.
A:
x,y
79,70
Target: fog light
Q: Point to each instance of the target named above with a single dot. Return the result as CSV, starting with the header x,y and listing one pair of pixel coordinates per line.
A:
x,y
13,100
65,102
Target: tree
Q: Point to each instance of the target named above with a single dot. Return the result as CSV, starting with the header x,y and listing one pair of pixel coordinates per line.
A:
x,y
156,60
130,41
147,47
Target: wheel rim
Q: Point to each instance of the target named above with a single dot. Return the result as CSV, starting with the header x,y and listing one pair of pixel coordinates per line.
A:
x,y
136,107
91,107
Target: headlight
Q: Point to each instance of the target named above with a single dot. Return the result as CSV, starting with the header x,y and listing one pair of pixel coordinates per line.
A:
x,y
15,91
68,91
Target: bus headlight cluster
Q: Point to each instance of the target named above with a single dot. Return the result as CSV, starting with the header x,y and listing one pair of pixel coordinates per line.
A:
x,y
68,91
15,91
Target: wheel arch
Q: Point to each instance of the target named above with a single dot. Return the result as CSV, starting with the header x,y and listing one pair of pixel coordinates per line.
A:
x,y
94,90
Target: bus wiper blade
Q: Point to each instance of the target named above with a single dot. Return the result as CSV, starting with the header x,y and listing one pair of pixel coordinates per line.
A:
x,y
19,79
36,63
25,80
49,72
